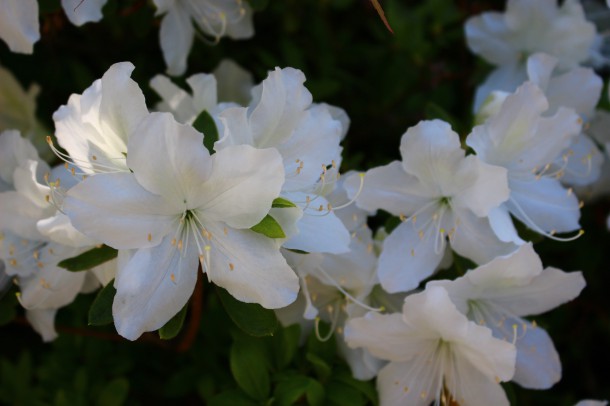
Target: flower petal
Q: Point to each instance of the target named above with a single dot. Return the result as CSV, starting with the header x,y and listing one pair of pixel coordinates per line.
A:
x,y
250,267
19,26
169,159
242,184
115,209
79,12
406,259
43,322
176,36
153,286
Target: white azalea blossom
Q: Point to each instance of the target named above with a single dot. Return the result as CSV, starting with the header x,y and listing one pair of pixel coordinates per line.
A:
x,y
215,18
523,140
507,39
187,207
435,353
440,194
500,293
281,115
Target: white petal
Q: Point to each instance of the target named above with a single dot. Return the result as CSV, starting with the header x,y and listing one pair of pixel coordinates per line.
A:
x,y
153,286
14,150
386,336
473,387
538,365
540,67
115,209
584,162
487,36
320,232
204,91
403,383
406,259
362,364
51,286
169,159
430,151
243,183
579,89
544,205
176,35
505,78
479,187
389,188
59,229
502,225
279,103
475,239
79,12
550,289
250,267
19,26
174,99
313,145
43,321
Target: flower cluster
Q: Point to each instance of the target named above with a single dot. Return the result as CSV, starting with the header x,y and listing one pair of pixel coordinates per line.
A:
x,y
255,201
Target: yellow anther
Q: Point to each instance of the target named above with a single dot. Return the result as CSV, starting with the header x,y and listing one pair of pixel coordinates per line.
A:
x,y
49,140
66,165
402,217
180,245
73,172
40,264
149,237
207,248
423,395
420,234
231,266
534,324
226,231
13,262
321,208
173,278
36,255
94,157
47,198
412,252
173,242
333,163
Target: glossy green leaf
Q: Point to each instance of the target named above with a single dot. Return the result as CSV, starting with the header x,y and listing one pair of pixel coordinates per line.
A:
x,y
269,227
114,393
100,312
172,328
89,259
252,318
282,203
291,389
248,364
204,123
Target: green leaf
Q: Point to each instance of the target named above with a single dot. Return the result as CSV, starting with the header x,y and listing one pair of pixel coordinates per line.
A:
x,y
174,325
248,364
100,312
233,397
252,318
285,344
89,259
367,388
269,227
114,393
340,394
290,390
258,5
282,203
323,370
204,123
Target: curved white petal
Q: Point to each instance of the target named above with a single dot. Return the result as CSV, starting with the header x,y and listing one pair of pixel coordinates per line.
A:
x,y
279,103
475,388
389,188
406,259
19,26
14,150
487,35
475,239
43,322
81,12
58,228
250,267
153,286
176,37
502,225
242,184
505,78
543,204
169,159
116,210
234,82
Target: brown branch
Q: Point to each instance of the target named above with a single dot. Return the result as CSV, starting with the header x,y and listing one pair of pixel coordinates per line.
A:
x,y
381,13
196,309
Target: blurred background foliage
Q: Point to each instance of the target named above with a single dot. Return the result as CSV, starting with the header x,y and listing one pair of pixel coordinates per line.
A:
x,y
386,83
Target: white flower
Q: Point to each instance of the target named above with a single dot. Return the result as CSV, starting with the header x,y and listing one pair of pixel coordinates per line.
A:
x,y
525,142
94,127
501,292
439,193
507,39
215,18
281,115
434,353
178,207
